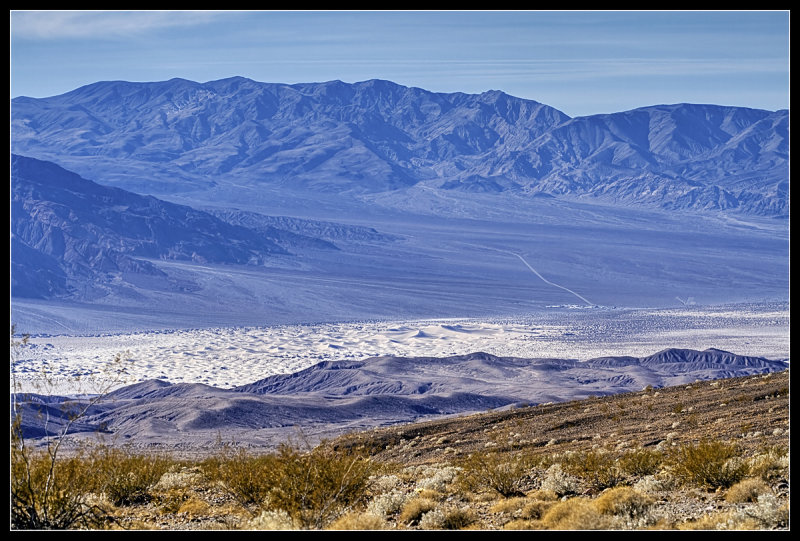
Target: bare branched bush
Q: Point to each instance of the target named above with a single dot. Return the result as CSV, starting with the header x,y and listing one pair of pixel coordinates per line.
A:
x,y
49,490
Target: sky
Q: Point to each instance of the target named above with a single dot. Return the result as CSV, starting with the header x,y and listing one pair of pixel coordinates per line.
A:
x,y
580,62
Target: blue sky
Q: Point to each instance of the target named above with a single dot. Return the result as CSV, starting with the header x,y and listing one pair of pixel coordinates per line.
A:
x,y
579,62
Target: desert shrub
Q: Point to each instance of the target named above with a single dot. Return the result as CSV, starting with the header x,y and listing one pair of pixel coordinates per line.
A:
x,y
559,482
249,479
54,493
315,487
380,484
129,477
49,490
597,468
747,490
656,483
623,501
641,462
490,471
575,514
388,503
710,463
447,518
414,509
771,464
359,521
437,478
769,512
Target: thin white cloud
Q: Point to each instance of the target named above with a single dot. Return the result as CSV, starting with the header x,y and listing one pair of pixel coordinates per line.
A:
x,y
93,24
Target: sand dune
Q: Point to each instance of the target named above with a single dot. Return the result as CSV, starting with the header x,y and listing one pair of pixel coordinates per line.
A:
x,y
229,357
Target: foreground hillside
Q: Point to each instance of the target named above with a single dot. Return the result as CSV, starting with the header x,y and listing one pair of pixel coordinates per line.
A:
x,y
705,455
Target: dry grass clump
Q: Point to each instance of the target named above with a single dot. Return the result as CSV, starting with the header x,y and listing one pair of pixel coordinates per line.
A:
x,y
356,520
747,490
575,514
413,510
630,507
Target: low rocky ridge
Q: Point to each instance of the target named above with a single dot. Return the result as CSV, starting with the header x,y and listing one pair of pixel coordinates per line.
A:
x,y
335,397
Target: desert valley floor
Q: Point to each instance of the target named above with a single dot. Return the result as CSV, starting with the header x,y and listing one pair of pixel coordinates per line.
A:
x,y
229,356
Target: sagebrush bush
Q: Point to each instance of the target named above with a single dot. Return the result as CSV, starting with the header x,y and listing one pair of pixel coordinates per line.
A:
x,y
437,478
272,520
447,518
771,464
388,503
710,464
559,482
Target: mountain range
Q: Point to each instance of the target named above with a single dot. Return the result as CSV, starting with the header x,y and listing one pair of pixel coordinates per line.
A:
x,y
376,136
333,397
266,203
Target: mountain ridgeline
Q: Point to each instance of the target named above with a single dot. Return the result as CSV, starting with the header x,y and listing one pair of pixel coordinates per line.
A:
x,y
378,136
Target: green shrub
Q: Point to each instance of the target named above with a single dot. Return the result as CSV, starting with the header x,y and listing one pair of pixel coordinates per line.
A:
x,y
129,477
641,462
597,468
710,464
249,479
315,487
491,471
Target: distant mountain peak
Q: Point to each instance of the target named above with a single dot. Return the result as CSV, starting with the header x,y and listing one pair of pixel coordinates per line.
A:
x,y
378,136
